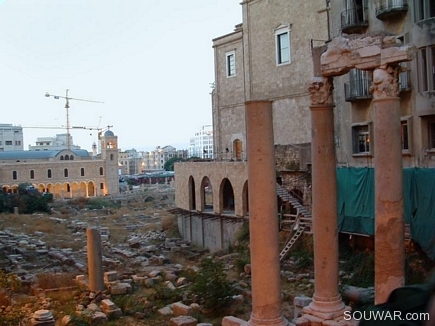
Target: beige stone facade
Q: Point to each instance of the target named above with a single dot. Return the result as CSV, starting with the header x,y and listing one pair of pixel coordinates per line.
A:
x,y
409,22
260,75
64,173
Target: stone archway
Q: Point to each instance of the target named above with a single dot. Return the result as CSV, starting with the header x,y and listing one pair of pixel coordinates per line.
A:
x,y
91,189
245,198
82,189
206,194
226,197
191,191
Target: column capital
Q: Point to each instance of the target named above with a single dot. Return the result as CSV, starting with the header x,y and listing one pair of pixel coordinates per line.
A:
x,y
320,90
385,82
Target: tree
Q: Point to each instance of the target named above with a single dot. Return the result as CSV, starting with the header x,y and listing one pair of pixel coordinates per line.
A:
x,y
212,287
169,164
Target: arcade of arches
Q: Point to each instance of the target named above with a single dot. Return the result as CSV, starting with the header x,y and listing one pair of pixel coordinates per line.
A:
x,y
61,190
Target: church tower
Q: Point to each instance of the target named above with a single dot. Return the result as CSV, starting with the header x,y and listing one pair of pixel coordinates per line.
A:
x,y
109,153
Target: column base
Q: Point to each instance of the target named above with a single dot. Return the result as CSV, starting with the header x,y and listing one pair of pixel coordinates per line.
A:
x,y
326,311
279,321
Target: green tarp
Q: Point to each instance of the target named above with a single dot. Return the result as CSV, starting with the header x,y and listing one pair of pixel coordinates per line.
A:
x,y
356,198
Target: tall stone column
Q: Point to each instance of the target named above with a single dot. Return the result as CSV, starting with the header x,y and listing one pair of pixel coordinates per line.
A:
x,y
389,223
95,260
327,303
263,216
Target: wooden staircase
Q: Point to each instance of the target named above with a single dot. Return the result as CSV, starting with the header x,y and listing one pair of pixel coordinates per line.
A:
x,y
298,223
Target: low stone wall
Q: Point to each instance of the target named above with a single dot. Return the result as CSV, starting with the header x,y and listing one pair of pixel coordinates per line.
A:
x,y
211,232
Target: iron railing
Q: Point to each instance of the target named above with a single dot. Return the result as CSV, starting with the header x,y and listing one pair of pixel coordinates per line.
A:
x,y
387,8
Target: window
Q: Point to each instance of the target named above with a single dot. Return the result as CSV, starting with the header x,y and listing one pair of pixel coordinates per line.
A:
x,y
282,41
32,174
8,142
111,157
61,158
82,172
101,186
405,134
101,171
426,69
231,63
431,126
14,175
361,139
424,9
49,173
65,173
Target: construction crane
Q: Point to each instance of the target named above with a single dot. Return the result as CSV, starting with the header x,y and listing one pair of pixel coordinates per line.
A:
x,y
100,130
67,98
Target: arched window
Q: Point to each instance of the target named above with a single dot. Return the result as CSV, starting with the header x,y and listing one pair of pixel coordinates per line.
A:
x,y
32,174
101,171
111,157
14,175
71,158
65,173
61,158
66,157
82,172
49,173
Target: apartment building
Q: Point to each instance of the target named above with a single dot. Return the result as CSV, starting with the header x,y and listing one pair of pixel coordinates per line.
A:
x,y
411,21
155,160
11,137
201,145
58,142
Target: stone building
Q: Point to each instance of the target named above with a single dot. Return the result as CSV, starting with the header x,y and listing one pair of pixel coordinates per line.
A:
x,y
266,57
64,173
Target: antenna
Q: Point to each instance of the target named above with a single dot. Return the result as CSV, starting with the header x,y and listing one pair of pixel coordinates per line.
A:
x,y
67,98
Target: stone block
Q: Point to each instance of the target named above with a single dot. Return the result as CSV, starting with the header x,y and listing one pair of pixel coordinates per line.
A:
x,y
120,288
165,311
114,314
180,309
233,321
99,318
111,276
107,304
183,321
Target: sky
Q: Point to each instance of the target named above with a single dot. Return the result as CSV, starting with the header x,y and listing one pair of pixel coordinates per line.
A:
x,y
150,61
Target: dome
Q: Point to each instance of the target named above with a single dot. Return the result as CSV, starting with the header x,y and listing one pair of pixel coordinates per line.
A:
x,y
109,133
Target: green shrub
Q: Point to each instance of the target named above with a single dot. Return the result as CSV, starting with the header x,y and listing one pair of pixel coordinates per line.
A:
x,y
212,287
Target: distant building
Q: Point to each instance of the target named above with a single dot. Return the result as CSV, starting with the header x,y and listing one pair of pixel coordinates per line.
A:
x,y
11,137
201,145
66,173
155,160
123,163
60,141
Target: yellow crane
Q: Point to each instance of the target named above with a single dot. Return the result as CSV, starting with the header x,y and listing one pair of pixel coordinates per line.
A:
x,y
67,98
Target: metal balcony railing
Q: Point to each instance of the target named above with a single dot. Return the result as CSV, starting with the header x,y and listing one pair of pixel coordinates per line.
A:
x,y
389,8
354,20
357,89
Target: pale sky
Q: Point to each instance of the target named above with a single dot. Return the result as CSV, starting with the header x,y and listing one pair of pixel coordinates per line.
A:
x,y
149,61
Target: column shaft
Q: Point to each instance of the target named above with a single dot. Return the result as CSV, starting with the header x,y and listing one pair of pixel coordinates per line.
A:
x,y
389,224
326,302
263,216
95,260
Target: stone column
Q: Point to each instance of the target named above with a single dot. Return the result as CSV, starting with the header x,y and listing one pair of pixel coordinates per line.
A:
x,y
327,303
263,216
389,223
95,260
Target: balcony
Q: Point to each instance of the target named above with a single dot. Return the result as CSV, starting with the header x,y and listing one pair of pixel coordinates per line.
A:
x,y
390,8
405,81
357,89
354,20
